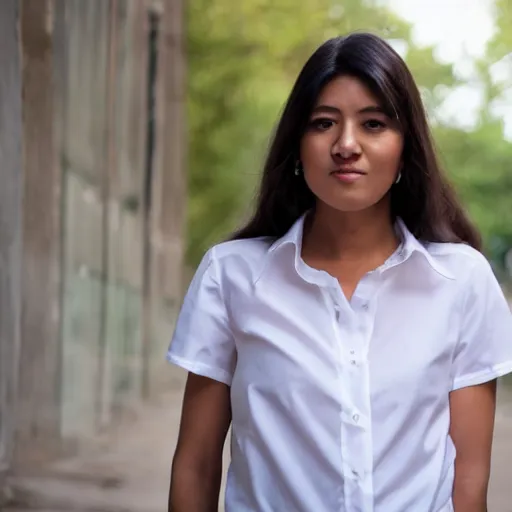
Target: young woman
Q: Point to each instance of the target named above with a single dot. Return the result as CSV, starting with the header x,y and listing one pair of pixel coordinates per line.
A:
x,y
352,333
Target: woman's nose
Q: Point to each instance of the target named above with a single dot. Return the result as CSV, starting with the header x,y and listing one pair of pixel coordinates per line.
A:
x,y
347,143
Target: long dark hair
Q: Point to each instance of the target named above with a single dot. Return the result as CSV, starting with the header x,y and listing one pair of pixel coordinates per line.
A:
x,y
423,198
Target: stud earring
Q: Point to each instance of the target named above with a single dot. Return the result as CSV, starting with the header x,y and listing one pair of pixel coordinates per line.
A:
x,y
298,168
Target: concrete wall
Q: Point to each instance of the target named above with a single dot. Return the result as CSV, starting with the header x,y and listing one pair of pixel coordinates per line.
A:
x,y
38,397
98,209
169,192
10,224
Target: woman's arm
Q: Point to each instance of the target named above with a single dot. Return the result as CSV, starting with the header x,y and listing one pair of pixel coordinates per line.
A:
x,y
472,411
197,464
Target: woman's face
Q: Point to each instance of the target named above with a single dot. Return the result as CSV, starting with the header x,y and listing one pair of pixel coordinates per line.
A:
x,y
351,150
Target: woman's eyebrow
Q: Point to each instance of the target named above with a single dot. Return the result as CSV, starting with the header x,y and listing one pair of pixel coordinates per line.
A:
x,y
326,109
329,109
373,109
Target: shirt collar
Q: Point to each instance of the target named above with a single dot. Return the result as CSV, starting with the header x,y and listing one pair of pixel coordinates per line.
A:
x,y
410,246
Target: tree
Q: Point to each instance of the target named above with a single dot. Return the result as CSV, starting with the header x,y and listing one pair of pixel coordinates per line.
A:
x,y
243,59
479,160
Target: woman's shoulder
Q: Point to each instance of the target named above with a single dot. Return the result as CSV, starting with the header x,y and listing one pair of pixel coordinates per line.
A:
x,y
462,260
245,249
233,262
236,258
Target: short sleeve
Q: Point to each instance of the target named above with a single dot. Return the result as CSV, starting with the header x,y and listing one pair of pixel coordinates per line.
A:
x,y
202,342
484,350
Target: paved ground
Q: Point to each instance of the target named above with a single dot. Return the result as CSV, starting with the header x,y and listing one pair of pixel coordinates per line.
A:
x,y
130,473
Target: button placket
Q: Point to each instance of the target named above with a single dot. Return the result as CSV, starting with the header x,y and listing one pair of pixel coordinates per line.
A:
x,y
357,420
352,323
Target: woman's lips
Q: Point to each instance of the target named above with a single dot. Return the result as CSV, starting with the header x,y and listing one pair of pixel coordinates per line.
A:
x,y
348,175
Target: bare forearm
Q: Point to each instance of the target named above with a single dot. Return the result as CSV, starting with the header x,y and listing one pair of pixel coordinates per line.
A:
x,y
193,491
470,493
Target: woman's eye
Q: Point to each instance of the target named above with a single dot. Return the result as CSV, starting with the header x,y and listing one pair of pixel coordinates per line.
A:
x,y
374,124
322,124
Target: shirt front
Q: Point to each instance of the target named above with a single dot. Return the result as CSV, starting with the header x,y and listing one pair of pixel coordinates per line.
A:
x,y
342,406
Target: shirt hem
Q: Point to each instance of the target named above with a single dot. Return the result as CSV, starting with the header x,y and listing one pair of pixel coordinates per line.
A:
x,y
477,378
201,369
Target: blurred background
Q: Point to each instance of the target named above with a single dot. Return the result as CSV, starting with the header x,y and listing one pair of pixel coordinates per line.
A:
x,y
132,136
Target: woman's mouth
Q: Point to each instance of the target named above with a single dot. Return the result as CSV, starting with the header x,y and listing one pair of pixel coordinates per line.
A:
x,y
348,175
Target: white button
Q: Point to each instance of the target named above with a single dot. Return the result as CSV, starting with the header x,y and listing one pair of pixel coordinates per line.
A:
x,y
365,306
353,362
352,352
355,417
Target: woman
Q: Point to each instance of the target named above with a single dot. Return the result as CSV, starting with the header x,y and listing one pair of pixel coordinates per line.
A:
x,y
351,333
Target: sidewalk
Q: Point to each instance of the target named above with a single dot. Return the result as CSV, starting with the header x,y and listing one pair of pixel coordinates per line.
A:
x,y
131,472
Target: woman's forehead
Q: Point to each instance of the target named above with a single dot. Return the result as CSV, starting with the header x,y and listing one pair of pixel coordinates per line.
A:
x,y
348,93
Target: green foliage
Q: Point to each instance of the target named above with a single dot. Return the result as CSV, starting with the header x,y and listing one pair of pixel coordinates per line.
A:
x,y
243,58
479,164
501,45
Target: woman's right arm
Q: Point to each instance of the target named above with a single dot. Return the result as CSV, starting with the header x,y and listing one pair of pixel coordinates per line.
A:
x,y
197,464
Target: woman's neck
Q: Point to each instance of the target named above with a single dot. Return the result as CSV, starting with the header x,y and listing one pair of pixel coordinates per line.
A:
x,y
332,235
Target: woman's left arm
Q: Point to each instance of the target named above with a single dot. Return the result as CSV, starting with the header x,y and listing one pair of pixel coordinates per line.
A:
x,y
472,411
482,355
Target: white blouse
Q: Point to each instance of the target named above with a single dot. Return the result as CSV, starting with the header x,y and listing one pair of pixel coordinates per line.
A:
x,y
342,406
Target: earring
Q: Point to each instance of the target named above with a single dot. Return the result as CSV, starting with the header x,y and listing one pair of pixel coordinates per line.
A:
x,y
298,168
398,178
